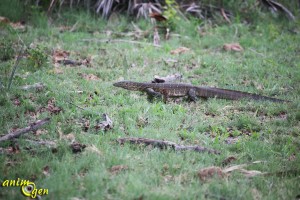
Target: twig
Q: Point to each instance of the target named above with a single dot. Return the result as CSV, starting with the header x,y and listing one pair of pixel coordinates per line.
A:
x,y
120,40
163,144
274,6
34,86
254,51
225,16
31,127
183,16
53,2
42,142
74,27
84,108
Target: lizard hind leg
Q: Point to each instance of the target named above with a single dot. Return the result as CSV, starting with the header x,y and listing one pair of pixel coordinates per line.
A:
x,y
192,95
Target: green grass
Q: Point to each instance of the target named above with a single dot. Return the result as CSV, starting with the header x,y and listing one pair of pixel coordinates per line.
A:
x,y
266,131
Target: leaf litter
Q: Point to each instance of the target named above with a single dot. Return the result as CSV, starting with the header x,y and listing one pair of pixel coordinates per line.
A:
x,y
180,50
118,168
209,172
233,47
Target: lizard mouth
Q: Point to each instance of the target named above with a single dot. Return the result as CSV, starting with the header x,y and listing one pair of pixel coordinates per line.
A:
x,y
122,84
119,84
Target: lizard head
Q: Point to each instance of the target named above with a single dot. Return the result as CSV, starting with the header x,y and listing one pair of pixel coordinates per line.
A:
x,y
129,85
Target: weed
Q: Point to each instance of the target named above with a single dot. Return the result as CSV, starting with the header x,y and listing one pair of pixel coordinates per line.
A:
x,y
6,49
36,57
247,123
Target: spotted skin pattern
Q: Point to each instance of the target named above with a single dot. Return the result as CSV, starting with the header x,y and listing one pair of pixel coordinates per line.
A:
x,y
167,90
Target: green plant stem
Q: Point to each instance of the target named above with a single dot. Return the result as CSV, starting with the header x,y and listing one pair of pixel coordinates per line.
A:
x,y
15,68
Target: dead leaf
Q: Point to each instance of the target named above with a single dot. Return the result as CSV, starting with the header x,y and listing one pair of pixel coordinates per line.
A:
x,y
52,108
231,140
59,55
83,172
292,157
170,61
118,168
87,61
57,70
40,132
283,115
69,137
33,177
141,121
259,86
168,178
86,125
90,97
106,124
207,173
14,149
88,76
228,160
94,149
4,20
64,28
77,147
20,26
46,170
180,50
16,102
233,47
157,16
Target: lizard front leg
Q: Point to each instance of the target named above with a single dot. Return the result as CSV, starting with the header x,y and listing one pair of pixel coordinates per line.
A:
x,y
192,95
151,93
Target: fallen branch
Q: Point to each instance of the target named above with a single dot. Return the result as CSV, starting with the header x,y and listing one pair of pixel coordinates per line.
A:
x,y
169,78
31,127
120,40
163,144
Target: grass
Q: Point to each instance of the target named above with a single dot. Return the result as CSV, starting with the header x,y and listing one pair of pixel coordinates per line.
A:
x,y
264,130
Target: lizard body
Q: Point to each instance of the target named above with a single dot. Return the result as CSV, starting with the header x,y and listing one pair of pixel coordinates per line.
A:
x,y
180,89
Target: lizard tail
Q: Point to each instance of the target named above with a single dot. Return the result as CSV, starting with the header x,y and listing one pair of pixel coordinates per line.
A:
x,y
235,95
